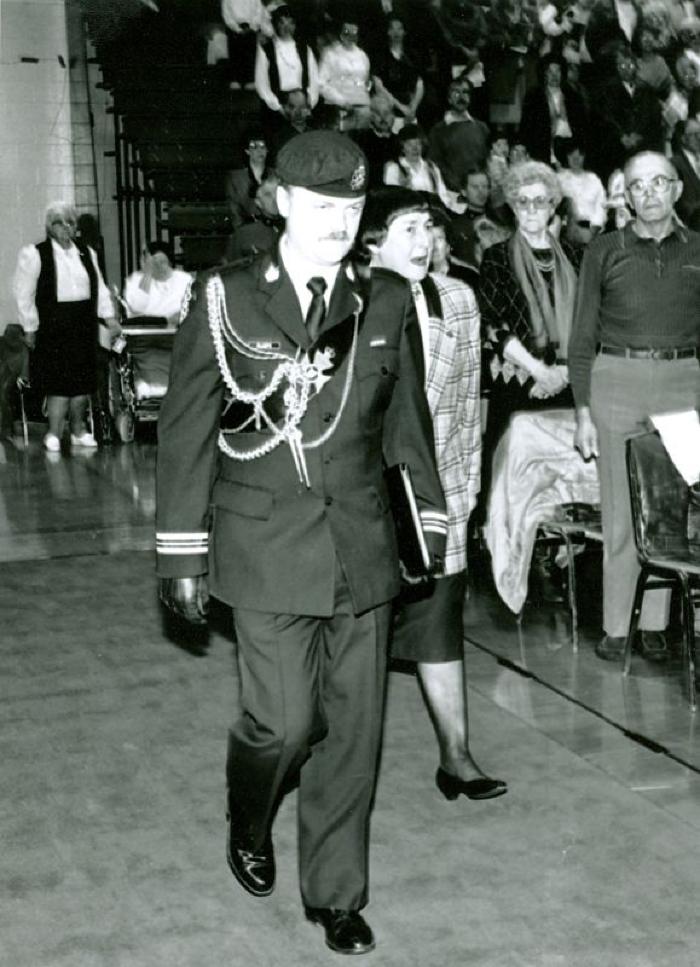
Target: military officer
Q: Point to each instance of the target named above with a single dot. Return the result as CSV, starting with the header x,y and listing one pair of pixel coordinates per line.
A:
x,y
291,387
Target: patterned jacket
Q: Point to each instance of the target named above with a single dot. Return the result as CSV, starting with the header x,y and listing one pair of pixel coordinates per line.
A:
x,y
452,388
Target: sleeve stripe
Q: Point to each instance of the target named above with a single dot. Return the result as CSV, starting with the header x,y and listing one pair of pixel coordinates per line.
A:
x,y
172,542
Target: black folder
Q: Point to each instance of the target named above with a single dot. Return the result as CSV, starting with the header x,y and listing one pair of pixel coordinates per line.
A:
x,y
413,549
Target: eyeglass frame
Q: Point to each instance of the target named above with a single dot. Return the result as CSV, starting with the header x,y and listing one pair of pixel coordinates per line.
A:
x,y
659,184
538,204
66,222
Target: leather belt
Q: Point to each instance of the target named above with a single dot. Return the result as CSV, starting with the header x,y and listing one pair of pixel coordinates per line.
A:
x,y
686,353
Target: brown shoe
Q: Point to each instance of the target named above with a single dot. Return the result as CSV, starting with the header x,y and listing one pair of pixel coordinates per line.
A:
x,y
610,648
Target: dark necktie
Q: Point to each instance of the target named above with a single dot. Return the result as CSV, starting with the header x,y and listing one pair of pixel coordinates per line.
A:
x,y
317,310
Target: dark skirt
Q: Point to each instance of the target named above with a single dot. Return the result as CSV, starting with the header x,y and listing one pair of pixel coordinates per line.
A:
x,y
428,623
65,358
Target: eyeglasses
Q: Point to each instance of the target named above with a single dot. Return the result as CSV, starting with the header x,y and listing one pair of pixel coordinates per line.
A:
x,y
532,204
256,144
659,183
66,222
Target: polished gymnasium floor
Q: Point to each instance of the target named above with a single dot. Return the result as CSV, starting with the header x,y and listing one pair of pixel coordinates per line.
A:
x,y
112,737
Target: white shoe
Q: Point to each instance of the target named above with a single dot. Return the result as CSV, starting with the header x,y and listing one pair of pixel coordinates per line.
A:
x,y
84,440
52,443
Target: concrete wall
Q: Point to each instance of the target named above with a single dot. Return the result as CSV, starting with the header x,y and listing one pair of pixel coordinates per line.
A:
x,y
36,156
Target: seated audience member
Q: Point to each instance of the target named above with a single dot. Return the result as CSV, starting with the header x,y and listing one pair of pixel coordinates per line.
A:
x,y
553,113
412,170
611,24
510,56
395,74
60,295
244,20
626,118
684,99
344,75
262,232
283,64
459,142
517,152
652,69
584,188
634,353
527,291
619,212
454,255
242,183
661,17
428,627
497,163
476,195
378,141
687,164
157,289
688,38
296,119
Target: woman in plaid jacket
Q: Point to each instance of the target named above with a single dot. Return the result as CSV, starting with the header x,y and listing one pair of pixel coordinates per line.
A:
x,y
397,232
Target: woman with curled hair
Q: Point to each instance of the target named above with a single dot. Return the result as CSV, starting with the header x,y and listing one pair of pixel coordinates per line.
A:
x,y
60,295
527,292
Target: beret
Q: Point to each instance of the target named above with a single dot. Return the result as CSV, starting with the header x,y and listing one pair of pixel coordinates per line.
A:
x,y
326,162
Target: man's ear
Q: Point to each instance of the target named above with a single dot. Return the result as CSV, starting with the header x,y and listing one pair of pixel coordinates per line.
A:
x,y
283,200
677,190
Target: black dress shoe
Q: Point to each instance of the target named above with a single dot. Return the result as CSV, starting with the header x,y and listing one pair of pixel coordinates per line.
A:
x,y
254,868
652,645
347,932
610,648
483,788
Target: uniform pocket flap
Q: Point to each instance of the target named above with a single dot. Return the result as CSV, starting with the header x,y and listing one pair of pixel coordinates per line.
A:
x,y
241,499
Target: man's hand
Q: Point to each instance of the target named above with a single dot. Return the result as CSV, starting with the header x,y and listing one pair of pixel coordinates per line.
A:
x,y
586,435
188,598
29,339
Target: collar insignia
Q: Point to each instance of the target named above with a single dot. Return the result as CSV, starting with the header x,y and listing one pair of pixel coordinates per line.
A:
x,y
358,178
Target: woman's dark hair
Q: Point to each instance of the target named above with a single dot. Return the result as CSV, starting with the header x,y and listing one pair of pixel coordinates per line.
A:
x,y
442,219
159,245
278,13
642,28
412,132
563,147
382,207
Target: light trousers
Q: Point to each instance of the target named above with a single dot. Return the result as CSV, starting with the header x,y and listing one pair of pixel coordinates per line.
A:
x,y
624,393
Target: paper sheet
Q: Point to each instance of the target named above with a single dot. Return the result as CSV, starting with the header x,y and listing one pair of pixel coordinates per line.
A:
x,y
680,433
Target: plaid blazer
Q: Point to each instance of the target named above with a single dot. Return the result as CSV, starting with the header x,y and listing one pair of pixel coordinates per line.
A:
x,y
452,374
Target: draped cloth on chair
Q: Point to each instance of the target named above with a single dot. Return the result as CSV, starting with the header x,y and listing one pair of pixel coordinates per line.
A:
x,y
535,470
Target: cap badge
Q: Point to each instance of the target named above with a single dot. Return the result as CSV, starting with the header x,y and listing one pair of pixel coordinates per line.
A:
x,y
358,177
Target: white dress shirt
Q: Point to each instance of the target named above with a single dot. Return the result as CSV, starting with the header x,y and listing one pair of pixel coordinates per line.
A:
x,y
300,271
290,73
72,283
343,75
423,323
163,298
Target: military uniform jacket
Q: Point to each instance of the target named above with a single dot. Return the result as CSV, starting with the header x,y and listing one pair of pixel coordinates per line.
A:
x,y
268,541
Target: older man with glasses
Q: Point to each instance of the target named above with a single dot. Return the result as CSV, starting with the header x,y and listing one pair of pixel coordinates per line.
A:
x,y
634,352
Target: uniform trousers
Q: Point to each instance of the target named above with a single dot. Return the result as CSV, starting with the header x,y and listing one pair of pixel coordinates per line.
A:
x,y
624,393
312,701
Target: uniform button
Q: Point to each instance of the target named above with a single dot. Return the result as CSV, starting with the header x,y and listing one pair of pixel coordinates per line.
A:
x,y
328,501
327,417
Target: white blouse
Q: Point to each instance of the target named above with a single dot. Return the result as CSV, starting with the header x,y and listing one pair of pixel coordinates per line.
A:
x,y
72,283
163,298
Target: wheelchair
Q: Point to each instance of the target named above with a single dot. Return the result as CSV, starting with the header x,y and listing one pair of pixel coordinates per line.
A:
x,y
139,372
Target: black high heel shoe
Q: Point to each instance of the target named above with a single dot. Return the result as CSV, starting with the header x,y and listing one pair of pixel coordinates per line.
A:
x,y
483,788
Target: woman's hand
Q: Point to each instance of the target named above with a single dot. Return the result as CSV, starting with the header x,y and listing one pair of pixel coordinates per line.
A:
x,y
549,380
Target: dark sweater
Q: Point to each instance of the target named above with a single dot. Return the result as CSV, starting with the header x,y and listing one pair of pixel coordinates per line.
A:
x,y
634,292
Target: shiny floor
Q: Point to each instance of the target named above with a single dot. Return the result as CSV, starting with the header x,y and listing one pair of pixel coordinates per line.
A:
x,y
112,735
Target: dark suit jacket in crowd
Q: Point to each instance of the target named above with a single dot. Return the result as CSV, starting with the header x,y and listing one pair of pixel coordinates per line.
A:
x,y
617,112
536,125
274,542
688,205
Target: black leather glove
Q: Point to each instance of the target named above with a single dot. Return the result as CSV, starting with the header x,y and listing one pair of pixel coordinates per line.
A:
x,y
188,598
